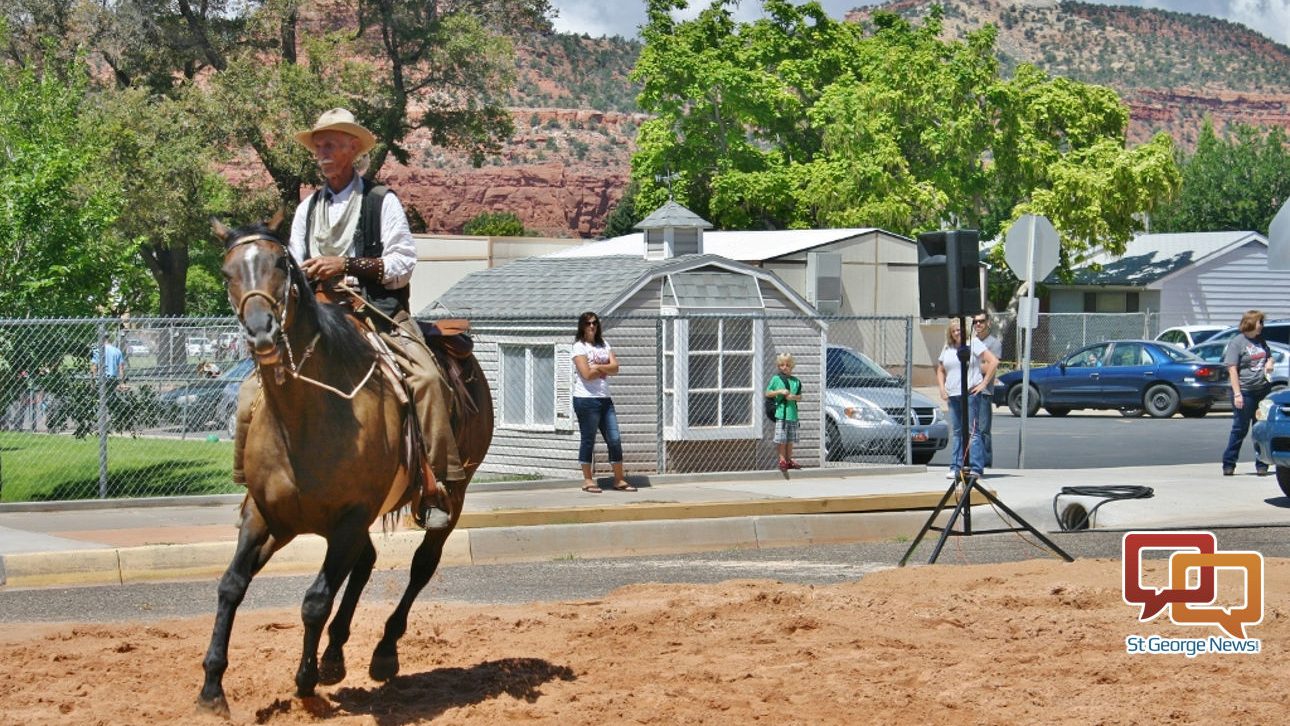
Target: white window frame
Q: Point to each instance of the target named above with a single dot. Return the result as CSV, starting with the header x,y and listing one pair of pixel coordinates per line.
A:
x,y
530,384
677,389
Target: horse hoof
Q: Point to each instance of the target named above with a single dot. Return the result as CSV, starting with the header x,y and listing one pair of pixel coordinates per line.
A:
x,y
331,671
217,706
384,667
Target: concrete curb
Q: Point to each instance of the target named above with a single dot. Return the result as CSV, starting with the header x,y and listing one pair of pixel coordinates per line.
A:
x,y
517,536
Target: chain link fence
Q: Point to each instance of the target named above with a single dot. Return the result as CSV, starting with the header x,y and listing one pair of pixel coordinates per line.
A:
x,y
111,408
117,408
1059,333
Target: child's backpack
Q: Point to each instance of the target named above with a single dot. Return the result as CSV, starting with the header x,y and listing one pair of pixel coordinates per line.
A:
x,y
773,403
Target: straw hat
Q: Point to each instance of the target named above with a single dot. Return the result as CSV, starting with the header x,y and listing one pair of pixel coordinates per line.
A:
x,y
339,119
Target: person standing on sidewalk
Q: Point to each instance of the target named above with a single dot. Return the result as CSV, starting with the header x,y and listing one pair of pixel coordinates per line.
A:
x,y
984,402
593,362
981,365
786,389
1249,367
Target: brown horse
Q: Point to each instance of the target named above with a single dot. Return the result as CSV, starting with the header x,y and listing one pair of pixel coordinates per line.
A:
x,y
323,456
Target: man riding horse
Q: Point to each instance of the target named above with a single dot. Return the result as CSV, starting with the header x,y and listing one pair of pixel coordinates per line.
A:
x,y
355,233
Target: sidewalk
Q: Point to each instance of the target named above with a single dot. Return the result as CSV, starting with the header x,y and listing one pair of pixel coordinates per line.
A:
x,y
142,540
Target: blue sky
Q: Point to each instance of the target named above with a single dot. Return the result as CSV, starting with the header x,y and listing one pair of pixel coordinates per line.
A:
x,y
624,17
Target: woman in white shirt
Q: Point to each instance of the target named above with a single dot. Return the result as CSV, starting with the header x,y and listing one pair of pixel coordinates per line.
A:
x,y
593,362
981,366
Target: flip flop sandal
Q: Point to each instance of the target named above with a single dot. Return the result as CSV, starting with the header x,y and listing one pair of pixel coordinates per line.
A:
x,y
624,488
592,490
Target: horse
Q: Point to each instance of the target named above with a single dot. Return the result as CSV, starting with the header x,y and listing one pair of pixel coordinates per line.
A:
x,y
324,455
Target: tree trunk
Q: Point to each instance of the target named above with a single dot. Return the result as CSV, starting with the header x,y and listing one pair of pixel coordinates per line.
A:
x,y
169,267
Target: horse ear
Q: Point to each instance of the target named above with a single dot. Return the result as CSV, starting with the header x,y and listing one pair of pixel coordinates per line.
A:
x,y
273,222
222,232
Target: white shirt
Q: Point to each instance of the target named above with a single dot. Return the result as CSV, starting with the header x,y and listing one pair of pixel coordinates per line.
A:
x,y
596,387
949,360
399,252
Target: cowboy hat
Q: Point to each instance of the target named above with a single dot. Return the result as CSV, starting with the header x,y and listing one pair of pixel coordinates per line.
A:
x,y
339,119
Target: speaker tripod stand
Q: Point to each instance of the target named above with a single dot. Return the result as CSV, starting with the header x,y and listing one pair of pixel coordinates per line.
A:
x,y
966,483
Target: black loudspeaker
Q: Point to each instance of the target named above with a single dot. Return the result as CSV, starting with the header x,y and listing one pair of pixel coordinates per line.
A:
x,y
949,274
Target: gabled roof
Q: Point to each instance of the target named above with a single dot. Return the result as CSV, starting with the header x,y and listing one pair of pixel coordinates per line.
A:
x,y
554,286
673,215
1150,258
735,245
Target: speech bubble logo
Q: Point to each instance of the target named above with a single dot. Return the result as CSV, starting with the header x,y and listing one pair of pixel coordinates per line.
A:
x,y
1231,620
1154,600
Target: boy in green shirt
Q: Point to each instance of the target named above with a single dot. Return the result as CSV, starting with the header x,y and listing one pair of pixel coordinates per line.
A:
x,y
786,389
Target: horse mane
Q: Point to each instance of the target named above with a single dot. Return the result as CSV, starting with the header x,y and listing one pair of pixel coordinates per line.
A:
x,y
342,343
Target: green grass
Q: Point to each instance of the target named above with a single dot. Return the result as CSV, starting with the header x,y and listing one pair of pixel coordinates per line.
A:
x,y
52,467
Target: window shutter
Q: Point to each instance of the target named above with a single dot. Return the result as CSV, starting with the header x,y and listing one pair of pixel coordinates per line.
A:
x,y
563,387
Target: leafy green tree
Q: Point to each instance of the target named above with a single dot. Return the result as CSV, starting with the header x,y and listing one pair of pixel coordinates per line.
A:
x,y
797,120
58,253
495,224
1234,182
626,214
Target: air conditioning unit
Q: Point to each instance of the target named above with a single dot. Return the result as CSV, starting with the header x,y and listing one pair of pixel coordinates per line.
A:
x,y
824,281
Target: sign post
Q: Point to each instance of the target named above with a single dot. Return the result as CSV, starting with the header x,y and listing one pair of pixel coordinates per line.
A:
x,y
1031,249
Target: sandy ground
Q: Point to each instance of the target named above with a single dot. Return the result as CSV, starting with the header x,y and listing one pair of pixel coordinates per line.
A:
x,y
1030,642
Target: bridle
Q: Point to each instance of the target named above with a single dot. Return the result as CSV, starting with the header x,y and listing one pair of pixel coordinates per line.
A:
x,y
280,308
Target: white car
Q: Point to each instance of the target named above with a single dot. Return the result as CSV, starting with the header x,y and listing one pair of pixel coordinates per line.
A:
x,y
1186,336
197,345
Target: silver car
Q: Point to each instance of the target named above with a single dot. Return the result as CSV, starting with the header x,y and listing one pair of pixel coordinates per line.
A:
x,y
864,410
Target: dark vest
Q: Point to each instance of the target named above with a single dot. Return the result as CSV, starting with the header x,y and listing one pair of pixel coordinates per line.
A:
x,y
367,241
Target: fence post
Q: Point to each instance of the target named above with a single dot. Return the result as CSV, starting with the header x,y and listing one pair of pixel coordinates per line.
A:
x,y
909,388
100,374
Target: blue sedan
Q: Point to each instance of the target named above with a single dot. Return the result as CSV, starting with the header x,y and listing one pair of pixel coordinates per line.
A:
x,y
1271,435
1129,375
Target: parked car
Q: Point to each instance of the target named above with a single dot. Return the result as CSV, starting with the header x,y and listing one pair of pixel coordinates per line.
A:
x,y
135,346
1186,336
864,409
201,404
1271,436
1119,374
1274,331
1211,352
199,345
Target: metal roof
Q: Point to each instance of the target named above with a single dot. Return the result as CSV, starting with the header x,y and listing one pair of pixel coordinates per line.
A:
x,y
735,245
555,286
1150,258
672,214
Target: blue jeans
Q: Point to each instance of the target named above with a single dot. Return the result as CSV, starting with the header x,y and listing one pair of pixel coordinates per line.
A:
x,y
1241,418
976,451
985,418
597,414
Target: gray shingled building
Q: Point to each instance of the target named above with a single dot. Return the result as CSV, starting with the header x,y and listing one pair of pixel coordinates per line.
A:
x,y
696,337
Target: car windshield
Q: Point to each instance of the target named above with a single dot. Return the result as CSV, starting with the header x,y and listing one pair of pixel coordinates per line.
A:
x,y
849,369
1200,336
1179,356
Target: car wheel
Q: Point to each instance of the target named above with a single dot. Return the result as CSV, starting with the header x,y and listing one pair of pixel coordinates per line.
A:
x,y
1194,411
925,457
832,441
1276,388
1283,479
1057,411
1014,401
1132,412
1161,401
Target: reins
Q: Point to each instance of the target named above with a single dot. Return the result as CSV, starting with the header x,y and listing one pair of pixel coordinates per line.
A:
x,y
280,309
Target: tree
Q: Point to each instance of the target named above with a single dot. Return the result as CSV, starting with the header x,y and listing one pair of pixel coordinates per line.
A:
x,y
1234,182
58,253
797,120
494,224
